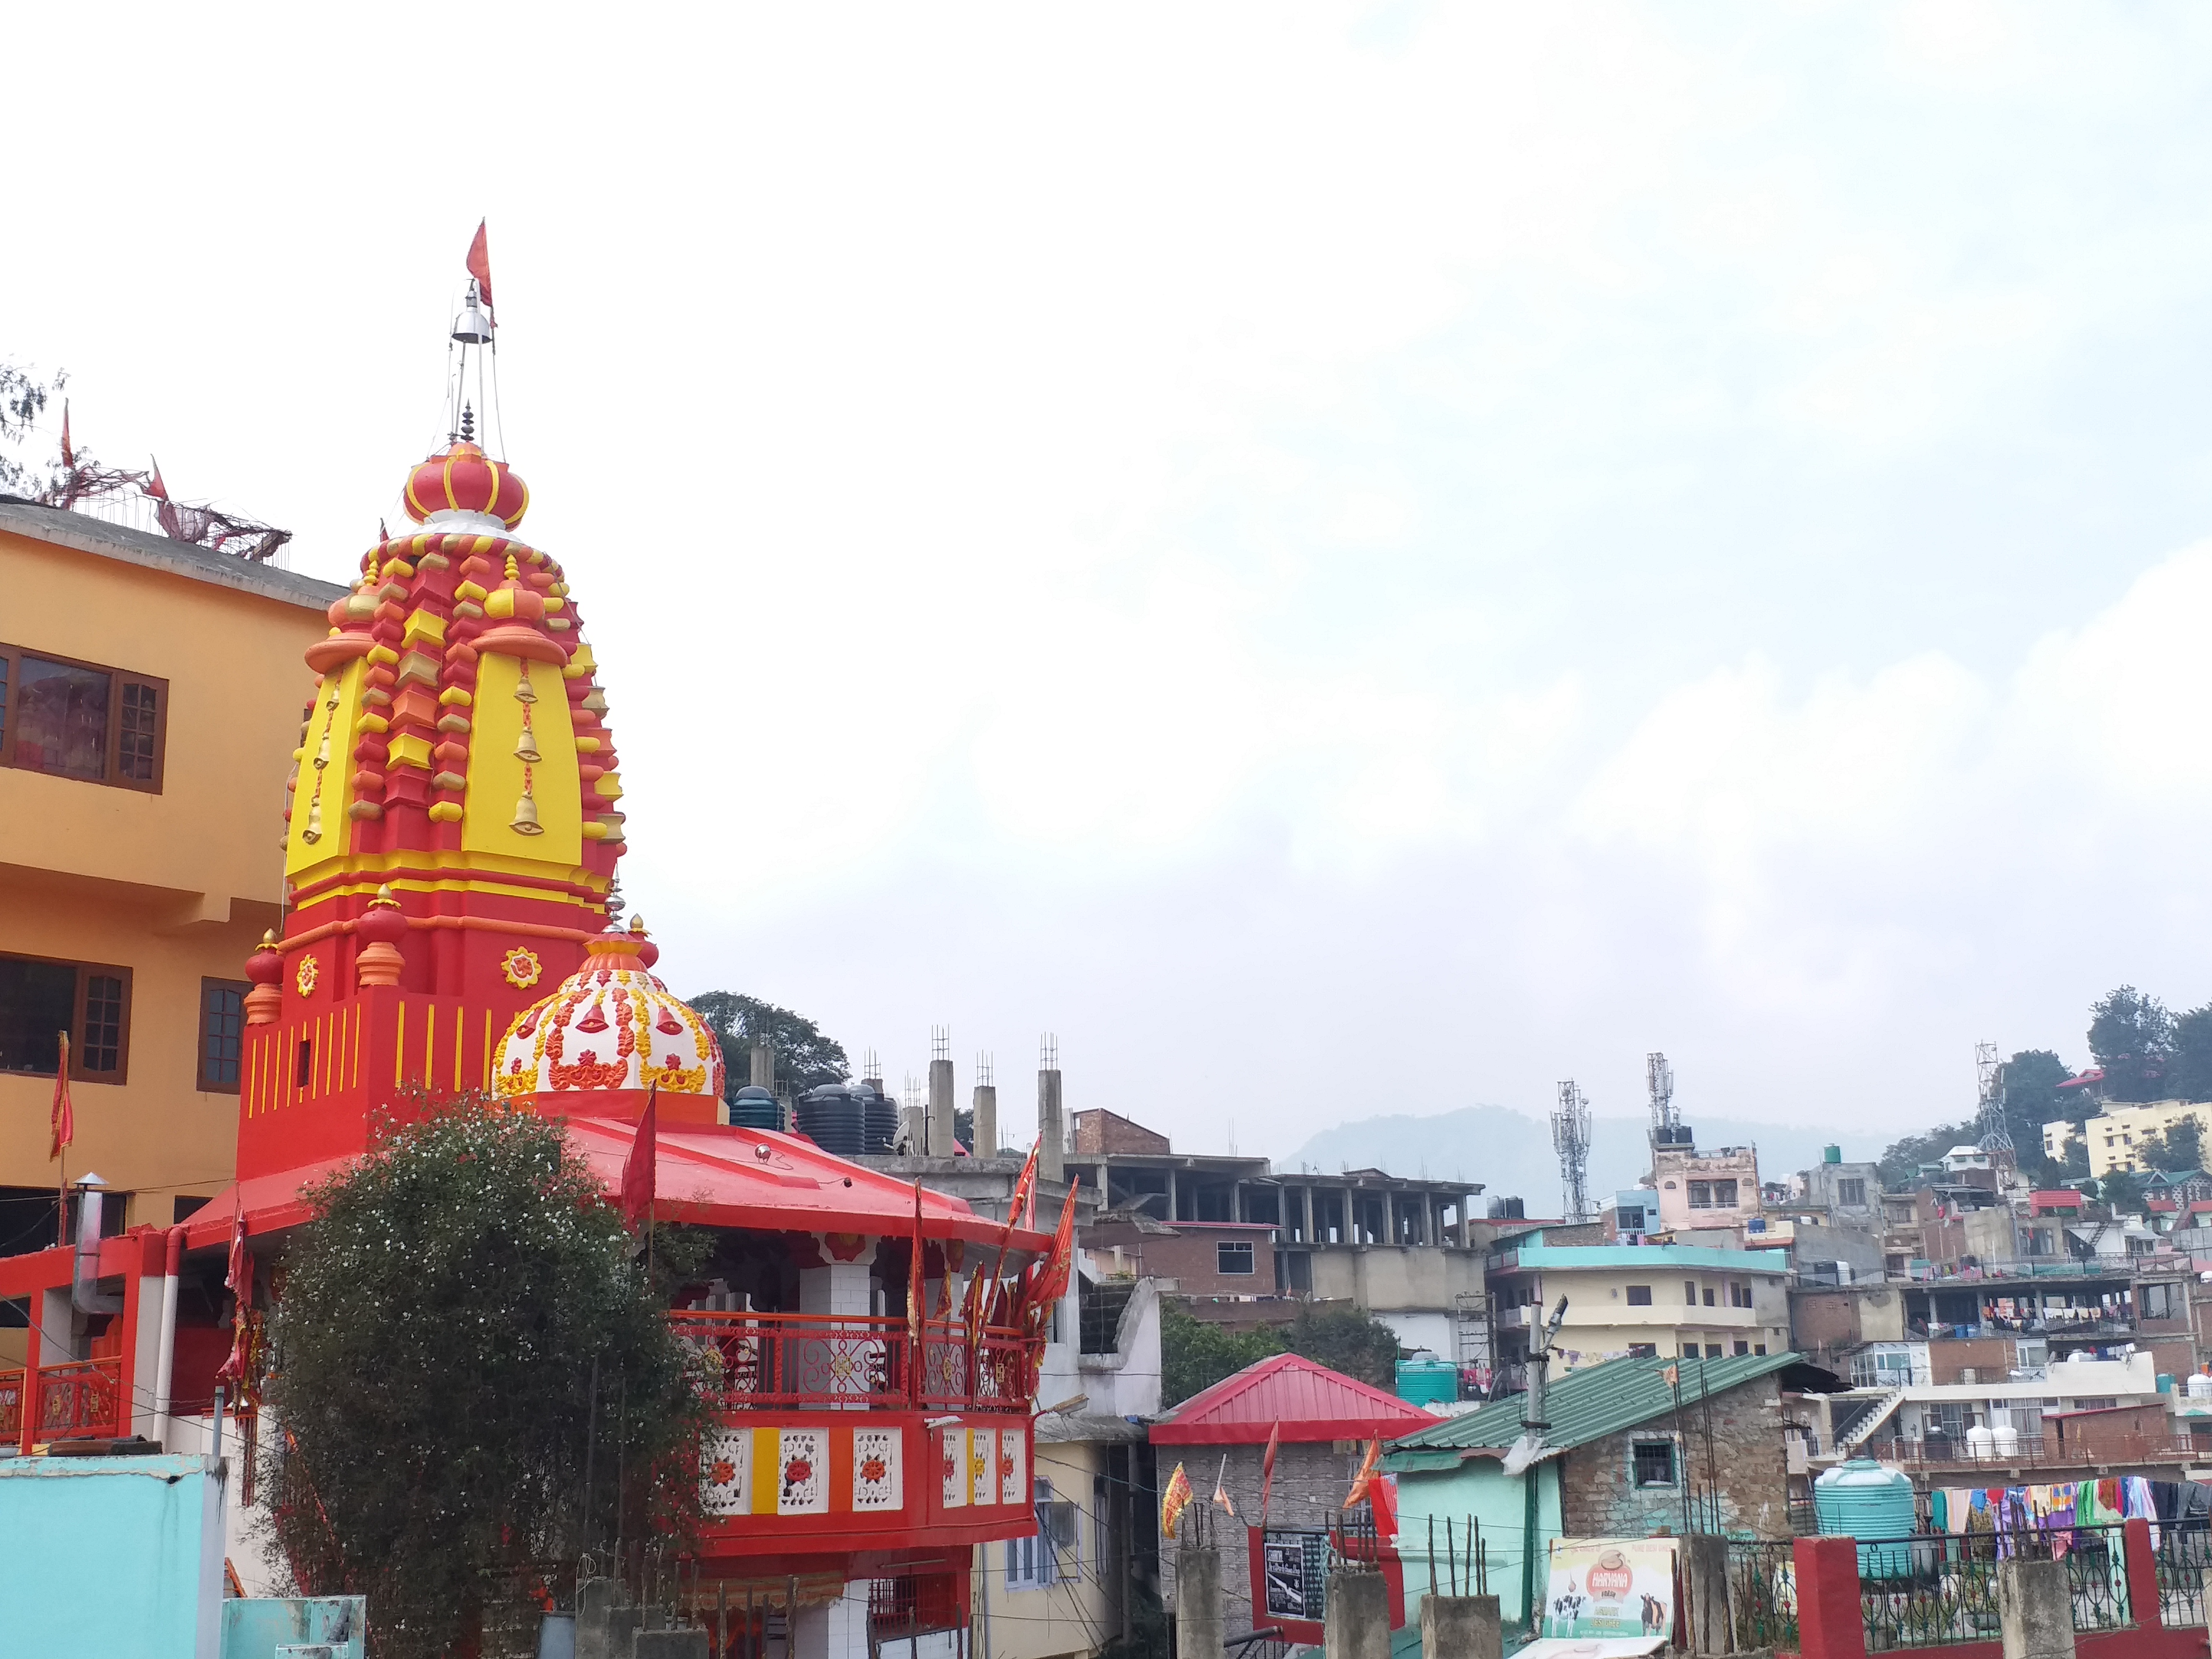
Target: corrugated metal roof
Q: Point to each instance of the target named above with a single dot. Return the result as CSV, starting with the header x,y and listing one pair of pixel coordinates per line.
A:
x,y
1588,1404
1310,1401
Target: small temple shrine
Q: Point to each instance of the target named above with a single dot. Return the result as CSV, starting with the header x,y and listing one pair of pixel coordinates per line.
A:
x,y
450,849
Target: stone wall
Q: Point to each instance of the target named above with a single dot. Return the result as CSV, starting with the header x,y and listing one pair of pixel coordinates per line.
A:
x,y
1311,1480
1603,1499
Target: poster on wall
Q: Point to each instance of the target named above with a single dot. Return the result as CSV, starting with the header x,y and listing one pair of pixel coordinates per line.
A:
x,y
1284,1561
1615,1593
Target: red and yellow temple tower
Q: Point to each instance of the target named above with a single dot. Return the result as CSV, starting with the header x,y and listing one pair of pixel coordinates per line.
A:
x,y
450,850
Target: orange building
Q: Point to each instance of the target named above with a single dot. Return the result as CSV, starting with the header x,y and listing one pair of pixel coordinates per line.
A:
x,y
148,708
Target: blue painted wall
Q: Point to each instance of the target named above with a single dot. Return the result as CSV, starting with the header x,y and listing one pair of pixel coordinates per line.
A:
x,y
1498,1503
120,1555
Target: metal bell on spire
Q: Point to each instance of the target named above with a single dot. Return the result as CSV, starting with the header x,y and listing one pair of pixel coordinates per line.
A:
x,y
472,327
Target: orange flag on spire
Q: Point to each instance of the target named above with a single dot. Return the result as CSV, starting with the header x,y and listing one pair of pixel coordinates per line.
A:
x,y
59,1118
480,266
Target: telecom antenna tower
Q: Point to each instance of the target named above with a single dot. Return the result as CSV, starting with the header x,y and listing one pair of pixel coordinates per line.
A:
x,y
1659,1080
1989,1114
1571,1137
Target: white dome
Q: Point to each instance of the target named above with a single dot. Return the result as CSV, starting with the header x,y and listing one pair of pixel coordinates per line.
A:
x,y
609,1028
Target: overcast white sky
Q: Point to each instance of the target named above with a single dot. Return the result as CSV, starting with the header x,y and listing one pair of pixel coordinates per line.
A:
x,y
1340,560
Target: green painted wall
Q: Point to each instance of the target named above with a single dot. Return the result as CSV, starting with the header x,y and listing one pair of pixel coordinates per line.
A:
x,y
1498,1505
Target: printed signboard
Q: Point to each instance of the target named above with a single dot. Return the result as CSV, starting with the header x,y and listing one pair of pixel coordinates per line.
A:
x,y
1611,1588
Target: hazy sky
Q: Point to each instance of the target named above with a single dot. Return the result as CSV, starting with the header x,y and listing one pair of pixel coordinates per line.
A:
x,y
1340,560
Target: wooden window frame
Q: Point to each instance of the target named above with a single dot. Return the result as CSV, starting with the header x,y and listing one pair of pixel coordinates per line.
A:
x,y
11,660
200,1079
84,971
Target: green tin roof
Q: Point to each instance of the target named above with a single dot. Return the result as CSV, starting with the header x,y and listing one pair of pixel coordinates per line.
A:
x,y
1582,1406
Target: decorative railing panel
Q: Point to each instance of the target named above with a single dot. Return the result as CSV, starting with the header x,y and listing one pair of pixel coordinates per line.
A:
x,y
1940,1590
2183,1554
80,1399
1763,1595
11,1405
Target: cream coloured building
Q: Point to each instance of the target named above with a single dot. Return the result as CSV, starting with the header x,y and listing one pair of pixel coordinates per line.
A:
x,y
1666,1301
2116,1135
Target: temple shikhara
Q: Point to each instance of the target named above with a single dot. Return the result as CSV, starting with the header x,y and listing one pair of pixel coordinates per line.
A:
x,y
451,923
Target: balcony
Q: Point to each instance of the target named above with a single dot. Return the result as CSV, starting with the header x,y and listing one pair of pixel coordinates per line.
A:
x,y
2041,1451
79,1399
833,1431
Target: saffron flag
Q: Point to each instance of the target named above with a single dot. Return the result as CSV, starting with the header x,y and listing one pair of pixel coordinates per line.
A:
x,y
1052,1282
1174,1501
914,1292
1024,1189
480,266
239,1282
69,455
637,1168
1365,1478
1267,1469
60,1119
1672,1376
1221,1494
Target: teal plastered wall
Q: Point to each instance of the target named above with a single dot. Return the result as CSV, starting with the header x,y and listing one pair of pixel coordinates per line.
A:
x,y
1498,1505
120,1555
253,1628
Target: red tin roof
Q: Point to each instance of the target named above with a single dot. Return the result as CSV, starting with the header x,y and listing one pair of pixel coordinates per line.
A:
x,y
1310,1401
709,1175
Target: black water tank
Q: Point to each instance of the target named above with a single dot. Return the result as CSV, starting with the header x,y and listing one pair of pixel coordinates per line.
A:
x,y
833,1119
1507,1209
878,1119
754,1108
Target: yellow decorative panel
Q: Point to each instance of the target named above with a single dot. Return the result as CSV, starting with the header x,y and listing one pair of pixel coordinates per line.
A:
x,y
497,774
330,740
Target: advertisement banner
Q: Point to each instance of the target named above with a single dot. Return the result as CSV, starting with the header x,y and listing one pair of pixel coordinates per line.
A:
x,y
1611,1588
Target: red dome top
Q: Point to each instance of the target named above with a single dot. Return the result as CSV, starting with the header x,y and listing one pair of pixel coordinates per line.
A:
x,y
461,476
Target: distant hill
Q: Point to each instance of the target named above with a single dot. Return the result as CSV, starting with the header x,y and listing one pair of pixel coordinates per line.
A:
x,y
1510,1152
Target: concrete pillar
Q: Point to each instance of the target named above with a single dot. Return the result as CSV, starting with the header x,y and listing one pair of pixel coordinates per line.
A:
x,y
986,1120
1171,1216
1200,1628
1831,1619
837,1630
1358,1625
763,1068
941,1138
1052,1133
1461,1627
1306,1193
595,1598
2035,1609
1705,1578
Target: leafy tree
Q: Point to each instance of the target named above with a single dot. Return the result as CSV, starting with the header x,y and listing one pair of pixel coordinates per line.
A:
x,y
2181,1147
2131,1037
804,1057
23,400
2123,1191
2076,1164
1901,1162
2189,1075
1195,1355
441,1327
1348,1340
2032,1078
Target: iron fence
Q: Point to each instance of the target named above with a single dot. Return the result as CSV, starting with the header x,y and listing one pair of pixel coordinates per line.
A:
x,y
1763,1594
1940,1589
2182,1551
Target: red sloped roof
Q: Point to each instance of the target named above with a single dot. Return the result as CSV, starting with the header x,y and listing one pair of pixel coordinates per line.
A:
x,y
1310,1401
709,1175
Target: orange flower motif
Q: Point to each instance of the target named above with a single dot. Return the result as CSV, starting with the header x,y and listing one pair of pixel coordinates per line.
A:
x,y
873,1470
798,1472
723,1472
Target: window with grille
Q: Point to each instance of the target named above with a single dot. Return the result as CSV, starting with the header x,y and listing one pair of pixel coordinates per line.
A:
x,y
1639,1296
1701,1195
79,719
1654,1462
1713,1351
39,1000
223,1034
1852,1191
1233,1256
1644,1351
1052,1552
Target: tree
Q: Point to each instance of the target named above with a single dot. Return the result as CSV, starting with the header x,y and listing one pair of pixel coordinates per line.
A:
x,y
2123,1191
2189,1075
2181,1147
22,399
1195,1355
2131,1037
441,1325
2032,1078
1346,1338
804,1057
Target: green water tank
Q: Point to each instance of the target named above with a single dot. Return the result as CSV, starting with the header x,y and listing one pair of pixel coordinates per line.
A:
x,y
1427,1379
1831,1155
1860,1500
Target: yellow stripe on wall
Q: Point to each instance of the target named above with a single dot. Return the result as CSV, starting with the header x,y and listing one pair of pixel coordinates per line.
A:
x,y
767,1470
461,1031
430,1047
399,1049
354,1079
487,1052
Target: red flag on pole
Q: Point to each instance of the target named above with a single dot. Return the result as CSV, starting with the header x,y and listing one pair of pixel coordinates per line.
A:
x,y
637,1168
480,266
60,1119
914,1311
1267,1469
239,1282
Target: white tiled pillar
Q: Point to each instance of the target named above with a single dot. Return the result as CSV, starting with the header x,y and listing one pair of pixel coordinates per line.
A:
x,y
838,1631
840,1363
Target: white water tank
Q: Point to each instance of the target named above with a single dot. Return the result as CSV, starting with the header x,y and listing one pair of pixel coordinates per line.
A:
x,y
2008,1440
2200,1386
1980,1443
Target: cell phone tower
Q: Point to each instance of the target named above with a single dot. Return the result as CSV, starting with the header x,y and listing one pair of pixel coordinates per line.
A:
x,y
1571,1138
1659,1080
1989,1111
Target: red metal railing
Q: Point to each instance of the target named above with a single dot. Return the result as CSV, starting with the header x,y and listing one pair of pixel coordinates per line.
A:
x,y
11,1406
80,1398
821,1359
